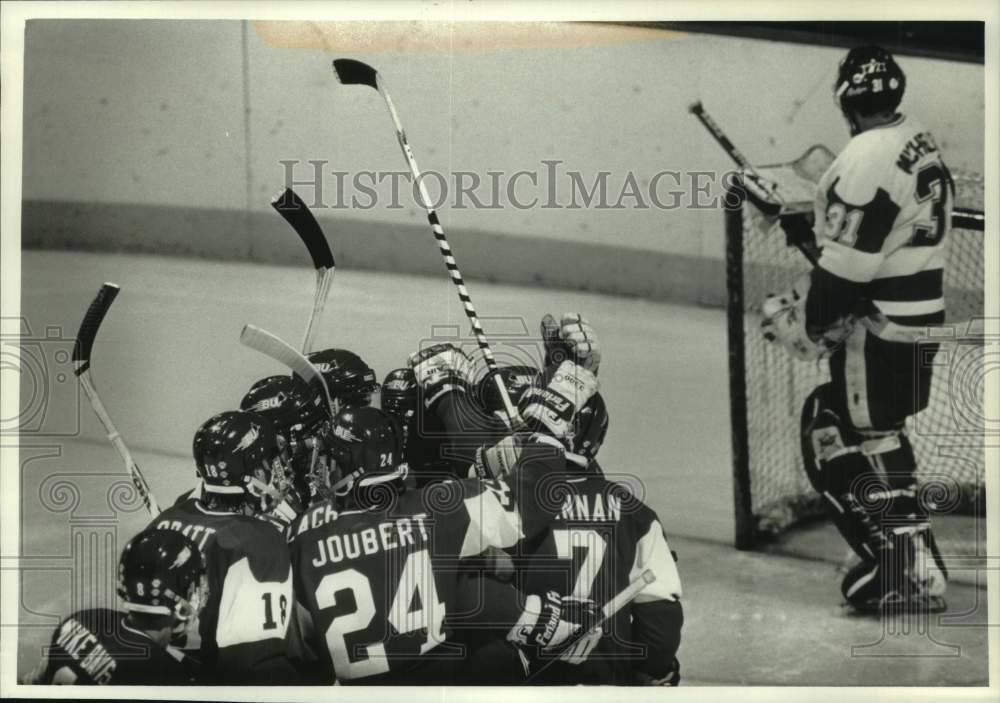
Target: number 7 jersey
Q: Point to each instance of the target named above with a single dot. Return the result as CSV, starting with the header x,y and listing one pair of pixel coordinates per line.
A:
x,y
883,213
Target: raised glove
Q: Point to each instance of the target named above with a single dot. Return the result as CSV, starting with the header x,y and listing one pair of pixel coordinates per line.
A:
x,y
440,369
573,338
551,406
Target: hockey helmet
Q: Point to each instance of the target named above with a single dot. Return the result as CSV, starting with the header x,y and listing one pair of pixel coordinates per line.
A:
x,y
869,81
162,572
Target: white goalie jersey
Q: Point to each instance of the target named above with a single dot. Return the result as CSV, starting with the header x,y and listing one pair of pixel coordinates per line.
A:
x,y
883,213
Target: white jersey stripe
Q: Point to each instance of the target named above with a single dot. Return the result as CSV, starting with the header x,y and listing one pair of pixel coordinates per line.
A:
x,y
912,307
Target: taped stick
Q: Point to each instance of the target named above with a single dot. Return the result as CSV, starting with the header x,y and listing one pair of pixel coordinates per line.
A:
x,y
82,350
298,215
352,72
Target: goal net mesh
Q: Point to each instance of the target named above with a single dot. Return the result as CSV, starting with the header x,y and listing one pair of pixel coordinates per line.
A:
x,y
773,492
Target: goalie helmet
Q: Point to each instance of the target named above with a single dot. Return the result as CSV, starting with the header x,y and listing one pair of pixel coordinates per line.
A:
x,y
365,445
162,572
590,427
237,452
869,81
348,378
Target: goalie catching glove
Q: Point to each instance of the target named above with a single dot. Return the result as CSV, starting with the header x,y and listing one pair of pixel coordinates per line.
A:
x,y
549,620
784,324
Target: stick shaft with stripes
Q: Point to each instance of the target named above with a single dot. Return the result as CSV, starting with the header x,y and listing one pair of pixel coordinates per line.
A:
x,y
351,72
81,367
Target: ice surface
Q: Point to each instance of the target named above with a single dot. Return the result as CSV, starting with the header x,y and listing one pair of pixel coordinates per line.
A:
x,y
168,356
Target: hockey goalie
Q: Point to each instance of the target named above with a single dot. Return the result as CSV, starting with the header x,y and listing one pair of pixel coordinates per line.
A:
x,y
879,228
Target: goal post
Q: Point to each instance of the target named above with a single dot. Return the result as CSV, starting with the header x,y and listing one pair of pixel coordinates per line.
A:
x,y
768,387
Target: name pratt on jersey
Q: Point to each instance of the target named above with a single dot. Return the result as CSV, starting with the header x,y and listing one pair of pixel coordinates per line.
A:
x,y
386,536
915,149
196,533
74,638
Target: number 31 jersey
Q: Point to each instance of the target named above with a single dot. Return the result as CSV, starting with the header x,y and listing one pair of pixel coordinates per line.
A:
x,y
883,213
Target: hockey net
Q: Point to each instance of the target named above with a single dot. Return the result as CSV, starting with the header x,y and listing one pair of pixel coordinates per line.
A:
x,y
768,387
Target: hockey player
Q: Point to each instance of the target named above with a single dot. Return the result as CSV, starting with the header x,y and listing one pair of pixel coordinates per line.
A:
x,y
881,218
240,637
161,582
456,430
379,573
348,378
300,419
601,539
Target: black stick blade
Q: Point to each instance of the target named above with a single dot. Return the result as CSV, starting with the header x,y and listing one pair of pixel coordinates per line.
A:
x,y
297,214
91,323
351,72
696,108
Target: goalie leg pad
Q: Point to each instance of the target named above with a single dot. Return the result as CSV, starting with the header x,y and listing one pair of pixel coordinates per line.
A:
x,y
840,472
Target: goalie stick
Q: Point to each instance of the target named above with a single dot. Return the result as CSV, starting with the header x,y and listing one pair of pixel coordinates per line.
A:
x,y
351,72
626,596
297,214
698,110
81,367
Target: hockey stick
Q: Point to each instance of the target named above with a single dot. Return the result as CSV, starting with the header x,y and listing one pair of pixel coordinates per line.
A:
x,y
278,349
81,367
627,595
698,110
295,212
351,72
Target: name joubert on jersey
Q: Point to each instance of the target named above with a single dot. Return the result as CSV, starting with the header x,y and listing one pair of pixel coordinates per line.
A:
x,y
389,535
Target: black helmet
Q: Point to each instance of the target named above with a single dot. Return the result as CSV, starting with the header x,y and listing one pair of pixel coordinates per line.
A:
x,y
237,452
399,394
348,378
162,572
590,426
869,81
292,406
366,445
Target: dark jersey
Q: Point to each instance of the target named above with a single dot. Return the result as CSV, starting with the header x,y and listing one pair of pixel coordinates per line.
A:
x,y
243,624
601,539
97,646
383,591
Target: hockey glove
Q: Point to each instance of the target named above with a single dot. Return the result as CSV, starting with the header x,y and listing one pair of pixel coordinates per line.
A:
x,y
572,338
550,407
550,620
799,230
440,369
763,193
500,459
784,324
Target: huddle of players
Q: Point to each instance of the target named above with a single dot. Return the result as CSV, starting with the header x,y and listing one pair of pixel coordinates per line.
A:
x,y
429,541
